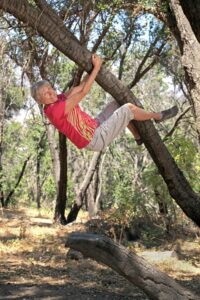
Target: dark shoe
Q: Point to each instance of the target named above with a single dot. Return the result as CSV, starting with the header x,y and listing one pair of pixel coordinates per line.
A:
x,y
168,113
139,142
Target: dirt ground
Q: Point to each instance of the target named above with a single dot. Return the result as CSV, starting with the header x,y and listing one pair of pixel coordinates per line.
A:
x,y
34,263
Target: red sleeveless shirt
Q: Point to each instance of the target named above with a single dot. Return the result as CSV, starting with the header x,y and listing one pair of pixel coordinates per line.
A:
x,y
77,125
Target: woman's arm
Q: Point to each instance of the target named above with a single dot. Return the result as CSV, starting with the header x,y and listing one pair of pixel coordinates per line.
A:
x,y
75,98
78,88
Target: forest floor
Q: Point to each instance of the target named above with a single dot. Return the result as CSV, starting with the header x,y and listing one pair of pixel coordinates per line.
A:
x,y
34,263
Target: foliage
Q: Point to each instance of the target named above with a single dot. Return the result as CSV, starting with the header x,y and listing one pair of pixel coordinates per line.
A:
x,y
129,179
187,156
12,159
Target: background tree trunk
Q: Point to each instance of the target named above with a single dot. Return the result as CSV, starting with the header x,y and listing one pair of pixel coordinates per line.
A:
x,y
2,110
184,22
39,151
83,189
53,146
8,198
59,213
94,203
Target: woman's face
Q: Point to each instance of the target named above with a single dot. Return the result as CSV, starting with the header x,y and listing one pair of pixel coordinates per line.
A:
x,y
47,94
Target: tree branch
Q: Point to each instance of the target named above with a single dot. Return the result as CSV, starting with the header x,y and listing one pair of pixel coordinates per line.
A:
x,y
139,73
176,123
156,284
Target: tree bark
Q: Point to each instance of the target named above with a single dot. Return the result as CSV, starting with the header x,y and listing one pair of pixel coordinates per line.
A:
x,y
39,151
7,200
192,11
50,26
94,203
2,111
83,189
38,184
54,153
184,22
59,161
156,284
59,213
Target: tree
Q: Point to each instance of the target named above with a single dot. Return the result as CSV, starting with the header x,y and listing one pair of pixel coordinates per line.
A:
x,y
53,29
183,20
33,55
84,186
10,102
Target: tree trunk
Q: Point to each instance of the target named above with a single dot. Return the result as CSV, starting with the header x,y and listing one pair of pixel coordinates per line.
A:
x,y
59,213
59,161
192,11
91,204
94,203
38,187
7,200
156,284
2,110
183,19
39,152
54,153
50,26
83,189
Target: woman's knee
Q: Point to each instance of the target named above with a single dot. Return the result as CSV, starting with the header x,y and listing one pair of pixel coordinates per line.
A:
x,y
132,106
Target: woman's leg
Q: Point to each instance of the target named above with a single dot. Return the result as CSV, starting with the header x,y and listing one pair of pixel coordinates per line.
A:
x,y
110,128
134,132
109,109
140,114
113,123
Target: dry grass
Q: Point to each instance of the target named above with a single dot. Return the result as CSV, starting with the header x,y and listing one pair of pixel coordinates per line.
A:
x,y
32,252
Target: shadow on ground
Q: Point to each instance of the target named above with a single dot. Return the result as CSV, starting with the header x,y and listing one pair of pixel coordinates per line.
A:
x,y
58,292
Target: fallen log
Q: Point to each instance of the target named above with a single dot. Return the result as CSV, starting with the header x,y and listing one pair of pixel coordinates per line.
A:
x,y
154,283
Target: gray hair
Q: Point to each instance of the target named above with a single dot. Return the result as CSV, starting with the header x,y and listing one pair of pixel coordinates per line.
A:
x,y
35,88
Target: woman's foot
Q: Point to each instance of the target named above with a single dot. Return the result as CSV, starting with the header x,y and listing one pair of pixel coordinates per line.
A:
x,y
167,114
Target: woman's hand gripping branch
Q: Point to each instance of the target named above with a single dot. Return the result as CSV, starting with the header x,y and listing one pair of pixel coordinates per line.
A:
x,y
75,98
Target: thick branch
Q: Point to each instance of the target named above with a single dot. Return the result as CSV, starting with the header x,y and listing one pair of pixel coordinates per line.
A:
x,y
156,284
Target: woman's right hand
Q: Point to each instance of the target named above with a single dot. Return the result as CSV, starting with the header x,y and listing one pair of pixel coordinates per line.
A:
x,y
96,60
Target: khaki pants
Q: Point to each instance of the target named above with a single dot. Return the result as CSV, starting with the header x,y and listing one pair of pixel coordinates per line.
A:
x,y
113,120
